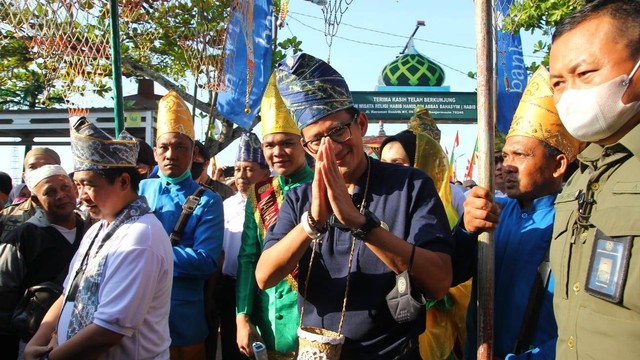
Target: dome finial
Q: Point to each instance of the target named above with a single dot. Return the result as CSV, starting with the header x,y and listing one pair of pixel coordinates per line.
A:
x,y
381,132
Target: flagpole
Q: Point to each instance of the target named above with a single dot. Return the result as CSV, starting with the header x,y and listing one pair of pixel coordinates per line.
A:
x,y
452,165
486,135
116,68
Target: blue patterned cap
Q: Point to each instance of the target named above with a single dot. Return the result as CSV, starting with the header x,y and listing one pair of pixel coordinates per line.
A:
x,y
311,89
93,149
250,149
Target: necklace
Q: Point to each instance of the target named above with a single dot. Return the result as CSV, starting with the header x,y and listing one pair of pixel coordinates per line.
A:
x,y
351,252
366,187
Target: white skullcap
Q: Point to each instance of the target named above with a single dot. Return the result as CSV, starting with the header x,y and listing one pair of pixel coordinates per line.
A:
x,y
33,177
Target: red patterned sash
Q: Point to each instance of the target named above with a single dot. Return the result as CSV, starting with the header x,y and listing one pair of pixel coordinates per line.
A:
x,y
268,196
267,204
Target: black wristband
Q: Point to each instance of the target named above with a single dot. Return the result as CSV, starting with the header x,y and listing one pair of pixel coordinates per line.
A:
x,y
316,226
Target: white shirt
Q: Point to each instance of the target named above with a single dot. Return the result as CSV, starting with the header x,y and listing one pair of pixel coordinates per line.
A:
x,y
69,234
234,212
135,291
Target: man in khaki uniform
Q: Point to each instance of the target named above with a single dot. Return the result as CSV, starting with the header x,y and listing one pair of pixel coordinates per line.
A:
x,y
15,215
595,55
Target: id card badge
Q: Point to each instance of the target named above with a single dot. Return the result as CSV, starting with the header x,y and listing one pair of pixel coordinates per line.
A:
x,y
608,267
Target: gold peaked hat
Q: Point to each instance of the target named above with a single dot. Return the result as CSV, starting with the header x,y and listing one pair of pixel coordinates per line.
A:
x,y
174,116
275,115
537,117
422,121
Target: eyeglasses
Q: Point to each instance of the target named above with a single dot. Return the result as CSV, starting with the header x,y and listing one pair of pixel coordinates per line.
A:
x,y
338,134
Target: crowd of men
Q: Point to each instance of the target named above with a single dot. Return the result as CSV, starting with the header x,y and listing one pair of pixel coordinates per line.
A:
x,y
145,256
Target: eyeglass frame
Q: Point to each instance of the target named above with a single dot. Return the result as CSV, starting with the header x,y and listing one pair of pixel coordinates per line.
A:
x,y
305,143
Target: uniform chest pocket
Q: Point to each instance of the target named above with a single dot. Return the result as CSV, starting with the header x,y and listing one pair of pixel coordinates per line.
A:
x,y
617,212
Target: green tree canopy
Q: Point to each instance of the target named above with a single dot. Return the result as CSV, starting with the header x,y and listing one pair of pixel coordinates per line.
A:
x,y
168,41
539,15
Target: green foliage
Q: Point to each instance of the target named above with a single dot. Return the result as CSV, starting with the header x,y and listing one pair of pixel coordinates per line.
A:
x,y
22,84
539,15
288,45
152,45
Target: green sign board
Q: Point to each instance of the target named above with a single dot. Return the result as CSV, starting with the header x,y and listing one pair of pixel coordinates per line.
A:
x,y
397,106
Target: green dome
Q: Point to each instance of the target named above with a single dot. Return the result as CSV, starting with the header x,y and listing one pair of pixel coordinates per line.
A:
x,y
412,70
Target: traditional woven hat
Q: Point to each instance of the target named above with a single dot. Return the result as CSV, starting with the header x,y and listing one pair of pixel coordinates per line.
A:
x,y
311,89
174,116
274,113
537,117
423,122
93,149
250,149
32,178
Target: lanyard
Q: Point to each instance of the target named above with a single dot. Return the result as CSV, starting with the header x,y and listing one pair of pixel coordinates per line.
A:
x,y
79,275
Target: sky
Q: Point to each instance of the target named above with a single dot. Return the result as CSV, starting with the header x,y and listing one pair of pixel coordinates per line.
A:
x,y
371,34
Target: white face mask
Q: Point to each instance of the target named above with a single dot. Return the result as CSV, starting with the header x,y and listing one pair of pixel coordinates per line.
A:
x,y
596,113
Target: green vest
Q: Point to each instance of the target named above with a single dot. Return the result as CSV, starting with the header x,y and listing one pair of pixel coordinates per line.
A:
x,y
274,312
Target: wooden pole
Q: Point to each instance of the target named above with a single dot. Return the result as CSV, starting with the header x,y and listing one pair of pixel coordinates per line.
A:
x,y
486,125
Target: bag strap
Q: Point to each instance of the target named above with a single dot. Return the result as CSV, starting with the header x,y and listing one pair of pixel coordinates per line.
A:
x,y
530,321
48,286
413,253
188,208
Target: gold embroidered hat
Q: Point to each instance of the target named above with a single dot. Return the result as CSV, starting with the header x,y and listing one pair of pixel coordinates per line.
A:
x,y
174,116
537,117
274,113
93,149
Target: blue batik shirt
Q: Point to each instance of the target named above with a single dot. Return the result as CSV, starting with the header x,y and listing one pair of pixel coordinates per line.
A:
x,y
521,241
194,259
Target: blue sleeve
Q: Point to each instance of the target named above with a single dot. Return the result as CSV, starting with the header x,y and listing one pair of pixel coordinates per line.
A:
x,y
465,254
426,216
546,351
197,256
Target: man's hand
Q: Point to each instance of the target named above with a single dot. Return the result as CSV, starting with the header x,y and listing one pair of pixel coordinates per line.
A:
x,y
480,212
35,352
218,175
246,334
320,208
337,194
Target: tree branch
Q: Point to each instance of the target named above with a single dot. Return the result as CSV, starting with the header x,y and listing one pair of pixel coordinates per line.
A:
x,y
164,81
228,132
